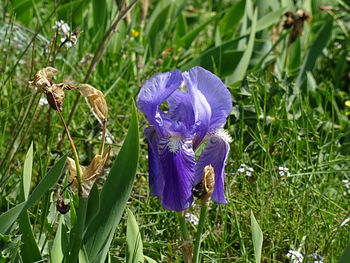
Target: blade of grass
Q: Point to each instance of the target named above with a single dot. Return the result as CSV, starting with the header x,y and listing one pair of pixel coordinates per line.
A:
x,y
134,252
242,67
257,236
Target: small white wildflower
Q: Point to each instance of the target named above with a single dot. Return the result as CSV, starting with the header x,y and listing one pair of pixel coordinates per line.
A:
x,y
245,169
192,218
314,258
295,256
62,27
43,101
109,138
346,186
283,171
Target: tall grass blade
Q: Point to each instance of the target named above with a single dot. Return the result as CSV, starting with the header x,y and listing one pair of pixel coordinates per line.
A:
x,y
56,253
134,252
114,195
27,172
257,236
315,51
242,67
9,217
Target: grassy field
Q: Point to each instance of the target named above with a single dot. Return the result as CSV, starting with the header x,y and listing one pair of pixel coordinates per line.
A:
x,y
286,64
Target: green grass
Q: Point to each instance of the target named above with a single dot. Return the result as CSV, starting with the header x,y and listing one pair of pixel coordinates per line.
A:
x,y
289,110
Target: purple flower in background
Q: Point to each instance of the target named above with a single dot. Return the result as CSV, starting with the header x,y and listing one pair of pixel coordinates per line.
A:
x,y
197,105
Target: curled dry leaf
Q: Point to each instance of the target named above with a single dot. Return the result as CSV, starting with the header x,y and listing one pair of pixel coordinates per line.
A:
x,y
96,100
54,92
42,79
208,182
89,174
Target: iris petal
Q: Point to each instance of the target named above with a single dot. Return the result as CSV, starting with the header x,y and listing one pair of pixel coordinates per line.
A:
x,y
181,108
153,92
216,94
155,180
177,165
215,154
201,108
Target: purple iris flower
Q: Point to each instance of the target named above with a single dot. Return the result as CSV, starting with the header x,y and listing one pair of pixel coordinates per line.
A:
x,y
198,104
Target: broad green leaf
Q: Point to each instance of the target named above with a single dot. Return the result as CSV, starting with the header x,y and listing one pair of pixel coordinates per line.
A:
x,y
269,19
156,23
29,248
114,196
99,12
345,256
56,253
315,51
27,172
187,40
9,217
232,18
242,67
181,26
93,205
134,252
257,236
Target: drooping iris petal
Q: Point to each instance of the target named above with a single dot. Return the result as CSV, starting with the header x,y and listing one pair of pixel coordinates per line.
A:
x,y
201,108
216,94
153,92
177,165
155,180
214,154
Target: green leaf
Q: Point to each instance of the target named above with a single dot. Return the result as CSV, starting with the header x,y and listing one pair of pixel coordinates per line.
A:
x,y
269,19
114,196
315,51
345,256
134,252
242,67
29,248
257,236
155,25
9,217
232,18
56,253
27,173
187,40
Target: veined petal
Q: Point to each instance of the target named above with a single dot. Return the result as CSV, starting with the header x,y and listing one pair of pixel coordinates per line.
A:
x,y
177,165
181,108
153,92
214,154
155,180
201,107
216,94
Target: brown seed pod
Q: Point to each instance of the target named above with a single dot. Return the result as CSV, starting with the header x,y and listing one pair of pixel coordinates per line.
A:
x,y
205,189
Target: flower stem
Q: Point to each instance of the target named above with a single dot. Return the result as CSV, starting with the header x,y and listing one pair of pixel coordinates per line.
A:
x,y
197,244
186,246
75,153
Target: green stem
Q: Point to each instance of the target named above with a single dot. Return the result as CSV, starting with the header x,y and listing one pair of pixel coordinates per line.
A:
x,y
75,154
197,244
186,246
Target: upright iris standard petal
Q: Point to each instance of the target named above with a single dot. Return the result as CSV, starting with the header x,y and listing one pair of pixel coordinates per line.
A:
x,y
214,154
201,108
156,181
216,94
154,92
177,165
181,108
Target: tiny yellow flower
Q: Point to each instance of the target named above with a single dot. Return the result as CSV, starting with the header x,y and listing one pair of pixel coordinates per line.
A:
x,y
134,33
347,103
